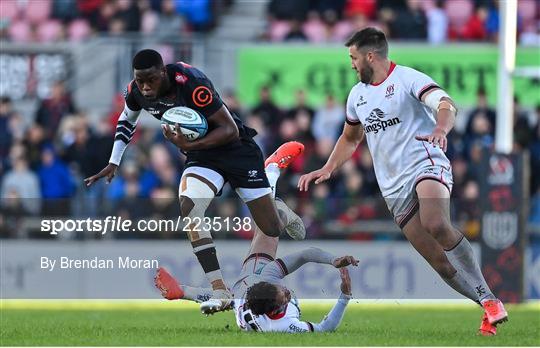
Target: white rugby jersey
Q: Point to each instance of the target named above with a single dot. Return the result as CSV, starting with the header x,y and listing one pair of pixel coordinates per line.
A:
x,y
288,321
392,114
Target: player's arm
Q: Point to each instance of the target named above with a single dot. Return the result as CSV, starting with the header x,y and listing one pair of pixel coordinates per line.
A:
x,y
224,131
446,111
332,320
347,143
426,91
125,128
283,266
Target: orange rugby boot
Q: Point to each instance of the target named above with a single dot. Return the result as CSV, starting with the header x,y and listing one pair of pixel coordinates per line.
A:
x,y
495,311
169,287
487,329
285,154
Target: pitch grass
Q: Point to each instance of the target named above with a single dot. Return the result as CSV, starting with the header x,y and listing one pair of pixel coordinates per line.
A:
x,y
180,324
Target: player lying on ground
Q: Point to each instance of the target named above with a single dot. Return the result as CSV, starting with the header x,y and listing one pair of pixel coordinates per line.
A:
x,y
261,302
226,154
394,107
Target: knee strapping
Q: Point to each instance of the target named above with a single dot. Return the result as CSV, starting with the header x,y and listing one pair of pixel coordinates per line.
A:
x,y
194,200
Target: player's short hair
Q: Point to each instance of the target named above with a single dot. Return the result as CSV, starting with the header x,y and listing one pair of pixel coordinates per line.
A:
x,y
146,59
261,298
369,39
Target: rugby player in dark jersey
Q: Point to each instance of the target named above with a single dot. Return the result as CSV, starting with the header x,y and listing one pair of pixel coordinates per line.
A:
x,y
226,154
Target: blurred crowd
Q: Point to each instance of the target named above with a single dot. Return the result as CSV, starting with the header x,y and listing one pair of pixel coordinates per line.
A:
x,y
43,165
434,21
437,21
77,20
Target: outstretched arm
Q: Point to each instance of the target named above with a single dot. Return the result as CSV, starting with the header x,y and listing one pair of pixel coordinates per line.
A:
x,y
334,317
125,128
343,150
283,266
332,320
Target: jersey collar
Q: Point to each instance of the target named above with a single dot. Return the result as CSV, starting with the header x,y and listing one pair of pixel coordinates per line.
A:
x,y
278,315
392,66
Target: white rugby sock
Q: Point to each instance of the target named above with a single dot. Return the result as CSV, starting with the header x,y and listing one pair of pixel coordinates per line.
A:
x,y
196,294
462,258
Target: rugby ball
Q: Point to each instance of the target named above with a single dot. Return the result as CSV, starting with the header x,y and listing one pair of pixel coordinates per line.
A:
x,y
192,124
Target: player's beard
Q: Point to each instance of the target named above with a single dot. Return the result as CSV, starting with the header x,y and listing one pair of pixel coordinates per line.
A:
x,y
366,74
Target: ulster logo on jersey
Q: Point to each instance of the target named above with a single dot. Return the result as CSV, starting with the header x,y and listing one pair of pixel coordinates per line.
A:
x,y
389,91
376,121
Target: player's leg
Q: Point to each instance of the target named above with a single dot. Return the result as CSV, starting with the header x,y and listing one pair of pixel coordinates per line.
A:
x,y
434,254
434,211
172,289
273,217
198,187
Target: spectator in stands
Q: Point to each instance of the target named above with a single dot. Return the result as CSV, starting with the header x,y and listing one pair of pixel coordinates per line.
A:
x,y
105,13
267,109
233,104
65,10
21,181
33,141
366,8
365,165
482,107
6,129
492,21
286,9
481,133
51,110
437,18
328,120
170,23
88,153
296,32
300,105
90,9
523,133
475,27
198,13
410,23
128,11
57,184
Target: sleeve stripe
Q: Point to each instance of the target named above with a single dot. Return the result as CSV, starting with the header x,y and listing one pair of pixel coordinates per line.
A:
x,y
123,130
282,266
122,137
310,325
126,124
426,89
351,122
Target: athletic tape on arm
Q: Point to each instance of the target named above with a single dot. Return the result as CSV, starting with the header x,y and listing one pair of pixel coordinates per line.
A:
x,y
434,98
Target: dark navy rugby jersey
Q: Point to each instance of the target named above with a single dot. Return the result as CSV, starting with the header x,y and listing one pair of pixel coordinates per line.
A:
x,y
191,89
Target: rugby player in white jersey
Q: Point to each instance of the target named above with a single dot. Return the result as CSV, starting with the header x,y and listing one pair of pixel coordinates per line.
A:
x,y
261,302
406,117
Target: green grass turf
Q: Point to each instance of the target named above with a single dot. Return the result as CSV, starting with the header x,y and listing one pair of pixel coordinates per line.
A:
x,y
179,323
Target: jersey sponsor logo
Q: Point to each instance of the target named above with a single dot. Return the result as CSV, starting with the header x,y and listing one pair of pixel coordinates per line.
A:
x,y
295,328
180,78
153,111
389,91
361,101
202,96
376,121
